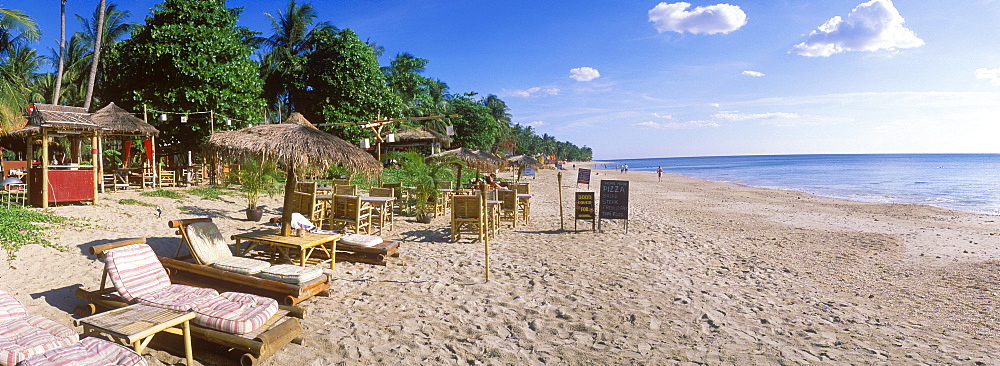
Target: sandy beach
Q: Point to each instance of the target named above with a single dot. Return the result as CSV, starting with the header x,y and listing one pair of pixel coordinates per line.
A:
x,y
708,273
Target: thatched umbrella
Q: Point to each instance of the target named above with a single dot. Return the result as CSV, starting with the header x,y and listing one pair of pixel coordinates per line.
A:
x,y
116,121
521,162
474,160
295,143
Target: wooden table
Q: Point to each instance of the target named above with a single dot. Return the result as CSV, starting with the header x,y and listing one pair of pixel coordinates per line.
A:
x,y
135,325
305,245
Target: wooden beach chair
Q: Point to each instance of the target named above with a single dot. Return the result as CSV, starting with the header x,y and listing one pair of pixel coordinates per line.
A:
x,y
467,217
253,326
27,340
215,267
306,202
348,212
508,206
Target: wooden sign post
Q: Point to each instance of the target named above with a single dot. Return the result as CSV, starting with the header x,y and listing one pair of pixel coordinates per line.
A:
x,y
614,202
583,176
585,209
559,184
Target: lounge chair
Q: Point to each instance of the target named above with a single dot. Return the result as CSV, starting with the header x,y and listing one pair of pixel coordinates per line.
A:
x,y
216,267
32,340
252,325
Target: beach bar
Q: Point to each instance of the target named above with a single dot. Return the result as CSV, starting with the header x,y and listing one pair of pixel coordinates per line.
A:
x,y
67,179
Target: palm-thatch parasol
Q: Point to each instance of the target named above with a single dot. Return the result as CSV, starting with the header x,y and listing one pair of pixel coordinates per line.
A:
x,y
295,143
522,162
471,158
116,121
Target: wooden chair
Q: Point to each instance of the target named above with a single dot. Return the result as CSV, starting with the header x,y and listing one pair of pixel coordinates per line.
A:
x,y
115,181
523,199
467,217
508,205
383,218
148,178
350,212
168,178
345,190
215,267
305,202
340,182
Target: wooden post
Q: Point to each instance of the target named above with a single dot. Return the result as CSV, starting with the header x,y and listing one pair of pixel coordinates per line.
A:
x,y
485,225
45,168
94,163
286,210
559,183
31,159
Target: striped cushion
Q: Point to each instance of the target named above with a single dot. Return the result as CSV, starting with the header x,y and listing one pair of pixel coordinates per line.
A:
x,y
241,265
207,244
10,308
289,273
360,240
32,335
178,297
135,271
88,352
235,312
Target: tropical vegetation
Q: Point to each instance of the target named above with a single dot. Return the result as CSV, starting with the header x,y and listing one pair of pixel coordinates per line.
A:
x,y
196,70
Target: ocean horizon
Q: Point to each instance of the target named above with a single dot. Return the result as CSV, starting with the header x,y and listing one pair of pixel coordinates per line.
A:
x,y
966,182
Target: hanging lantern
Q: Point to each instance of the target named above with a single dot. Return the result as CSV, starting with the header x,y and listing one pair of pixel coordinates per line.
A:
x,y
449,130
229,122
390,137
163,117
365,144
184,119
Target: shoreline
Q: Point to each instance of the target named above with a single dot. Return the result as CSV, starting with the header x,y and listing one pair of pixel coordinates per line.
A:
x,y
708,272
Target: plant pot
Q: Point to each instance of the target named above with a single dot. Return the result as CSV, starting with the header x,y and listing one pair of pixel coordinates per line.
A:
x,y
425,218
255,214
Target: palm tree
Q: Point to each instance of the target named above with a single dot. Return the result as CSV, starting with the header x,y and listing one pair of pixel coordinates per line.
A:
x,y
16,30
15,21
96,57
62,51
283,51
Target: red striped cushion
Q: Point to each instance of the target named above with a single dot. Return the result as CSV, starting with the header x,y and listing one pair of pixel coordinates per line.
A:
x,y
235,312
178,297
135,271
32,335
88,352
10,308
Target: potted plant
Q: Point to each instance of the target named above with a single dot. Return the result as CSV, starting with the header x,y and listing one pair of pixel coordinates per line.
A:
x,y
421,173
256,178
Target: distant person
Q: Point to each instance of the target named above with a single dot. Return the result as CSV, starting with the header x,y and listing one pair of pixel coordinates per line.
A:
x,y
626,168
659,173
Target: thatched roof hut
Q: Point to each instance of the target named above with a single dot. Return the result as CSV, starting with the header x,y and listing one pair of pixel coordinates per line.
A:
x,y
420,137
116,121
56,117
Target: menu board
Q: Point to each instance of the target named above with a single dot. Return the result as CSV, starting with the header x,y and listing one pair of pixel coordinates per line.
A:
x,y
614,199
584,205
583,177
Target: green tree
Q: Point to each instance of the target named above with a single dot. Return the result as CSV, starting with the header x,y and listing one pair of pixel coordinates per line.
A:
x,y
284,52
17,63
190,56
475,128
96,56
342,82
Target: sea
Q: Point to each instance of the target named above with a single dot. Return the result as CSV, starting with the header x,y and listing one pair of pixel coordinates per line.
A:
x,y
966,182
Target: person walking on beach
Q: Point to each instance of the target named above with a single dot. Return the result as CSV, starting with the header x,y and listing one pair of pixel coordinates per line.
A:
x,y
659,173
625,170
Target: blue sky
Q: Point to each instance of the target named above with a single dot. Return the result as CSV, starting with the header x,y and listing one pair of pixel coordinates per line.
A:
x,y
634,79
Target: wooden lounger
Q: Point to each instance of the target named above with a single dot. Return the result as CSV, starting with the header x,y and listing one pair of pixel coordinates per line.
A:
x,y
375,254
282,328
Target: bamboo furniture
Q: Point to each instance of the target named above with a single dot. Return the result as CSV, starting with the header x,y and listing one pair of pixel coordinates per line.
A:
x,y
508,206
305,202
467,217
168,178
340,182
348,212
523,199
345,190
305,245
282,328
136,325
202,274
383,203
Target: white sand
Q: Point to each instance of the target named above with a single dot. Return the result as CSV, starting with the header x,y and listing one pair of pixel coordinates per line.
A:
x,y
708,273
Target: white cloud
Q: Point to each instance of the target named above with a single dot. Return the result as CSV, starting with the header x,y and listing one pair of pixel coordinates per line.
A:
x,y
872,26
584,73
663,116
536,124
993,75
755,74
532,92
732,116
675,125
712,19
714,105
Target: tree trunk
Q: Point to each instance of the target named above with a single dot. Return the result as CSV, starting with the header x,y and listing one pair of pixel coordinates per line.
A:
x,y
96,58
62,52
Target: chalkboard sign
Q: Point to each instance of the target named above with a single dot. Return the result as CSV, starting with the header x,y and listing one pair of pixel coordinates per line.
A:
x,y
614,199
584,205
583,177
